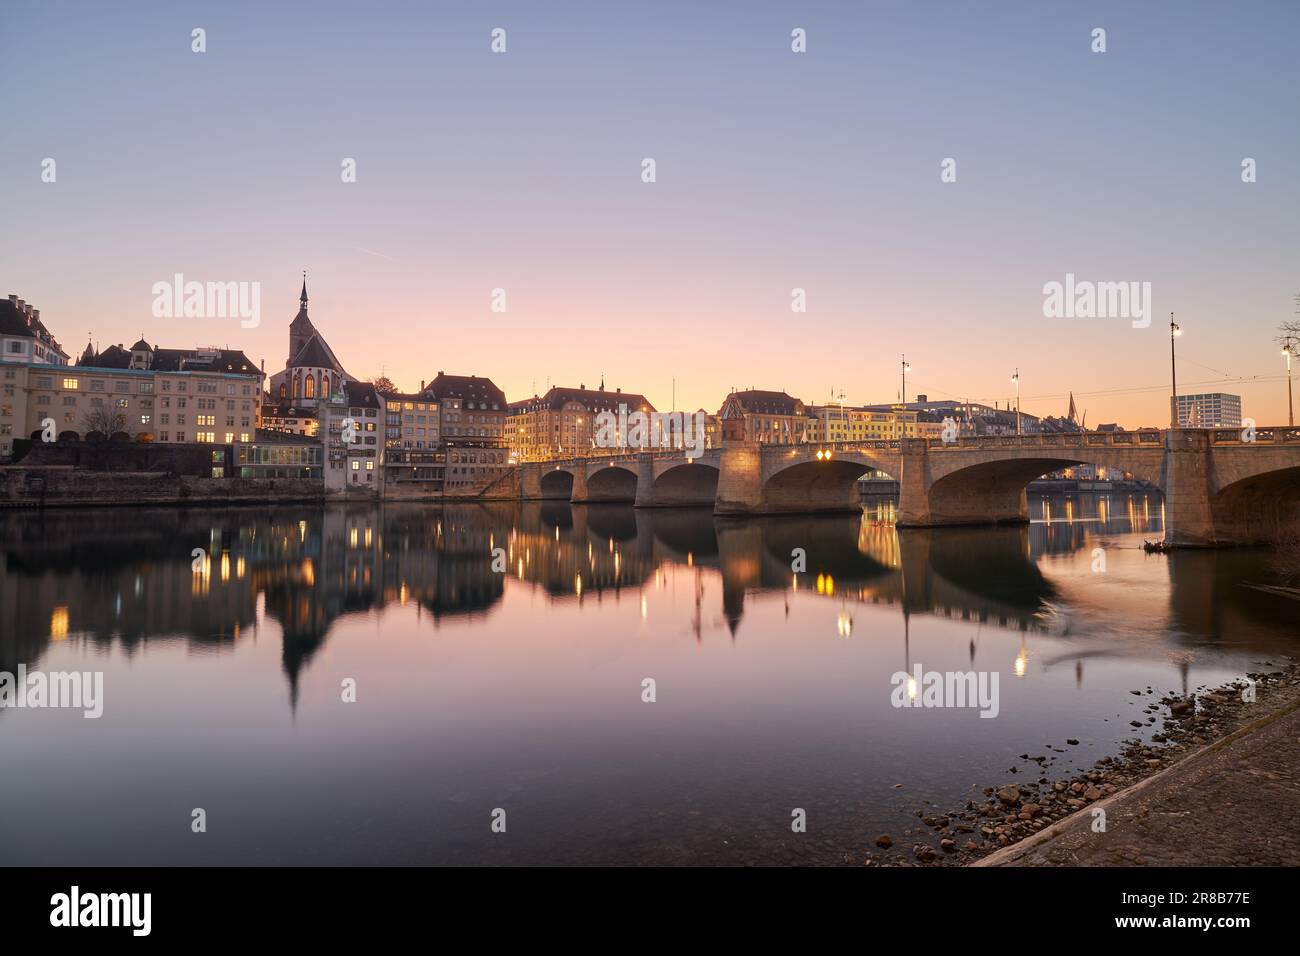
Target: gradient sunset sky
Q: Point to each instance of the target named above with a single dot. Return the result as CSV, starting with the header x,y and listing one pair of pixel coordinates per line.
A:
x,y
775,170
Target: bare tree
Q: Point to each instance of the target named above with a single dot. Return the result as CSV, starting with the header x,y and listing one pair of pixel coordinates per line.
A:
x,y
105,420
384,385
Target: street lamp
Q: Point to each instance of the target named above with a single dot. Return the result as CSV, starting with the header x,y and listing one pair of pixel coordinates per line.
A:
x,y
1175,330
1016,381
1288,349
906,368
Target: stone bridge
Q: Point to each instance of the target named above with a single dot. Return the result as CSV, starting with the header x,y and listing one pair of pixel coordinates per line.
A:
x,y
1218,488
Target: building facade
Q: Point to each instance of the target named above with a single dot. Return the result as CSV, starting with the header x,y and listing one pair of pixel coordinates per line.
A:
x,y
562,423
472,414
773,418
1209,410
24,339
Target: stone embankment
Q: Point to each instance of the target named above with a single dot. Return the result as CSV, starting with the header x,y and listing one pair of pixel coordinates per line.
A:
x,y
1219,784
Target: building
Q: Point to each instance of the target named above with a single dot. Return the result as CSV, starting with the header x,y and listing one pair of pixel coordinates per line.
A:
x,y
312,372
24,338
769,417
352,424
837,422
413,451
562,423
472,414
169,396
1209,410
274,454
313,396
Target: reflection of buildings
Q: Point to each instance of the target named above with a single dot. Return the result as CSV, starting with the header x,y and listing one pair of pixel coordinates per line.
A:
x,y
127,577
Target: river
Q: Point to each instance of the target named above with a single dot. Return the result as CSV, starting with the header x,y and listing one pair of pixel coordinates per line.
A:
x,y
379,685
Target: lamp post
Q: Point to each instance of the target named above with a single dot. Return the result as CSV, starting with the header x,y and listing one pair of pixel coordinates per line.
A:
x,y
1288,349
1016,381
1175,330
906,369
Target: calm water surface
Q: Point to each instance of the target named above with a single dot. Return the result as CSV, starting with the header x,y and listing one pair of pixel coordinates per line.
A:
x,y
523,690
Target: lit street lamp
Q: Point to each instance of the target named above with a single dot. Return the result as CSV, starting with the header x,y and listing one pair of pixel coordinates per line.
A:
x,y
906,368
1289,349
1175,330
1016,381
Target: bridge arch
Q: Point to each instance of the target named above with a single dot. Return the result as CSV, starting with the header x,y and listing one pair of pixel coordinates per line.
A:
x,y
610,483
557,483
1257,509
802,482
681,484
994,490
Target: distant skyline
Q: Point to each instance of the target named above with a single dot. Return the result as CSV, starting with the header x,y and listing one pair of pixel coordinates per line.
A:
x,y
775,170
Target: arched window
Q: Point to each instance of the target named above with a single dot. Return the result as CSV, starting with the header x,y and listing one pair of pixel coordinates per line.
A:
x,y
324,385
310,391
297,385
284,391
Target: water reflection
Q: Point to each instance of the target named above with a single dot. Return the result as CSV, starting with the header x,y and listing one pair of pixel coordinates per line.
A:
x,y
499,651
130,577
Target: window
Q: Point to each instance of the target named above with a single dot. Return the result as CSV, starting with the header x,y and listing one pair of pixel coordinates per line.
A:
x,y
144,419
71,383
123,403
205,437
356,465
146,386
69,399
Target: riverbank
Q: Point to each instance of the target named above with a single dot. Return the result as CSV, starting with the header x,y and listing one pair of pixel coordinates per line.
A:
x,y
1211,788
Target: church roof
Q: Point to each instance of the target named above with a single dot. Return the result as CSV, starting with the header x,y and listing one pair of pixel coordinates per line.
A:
x,y
141,346
316,353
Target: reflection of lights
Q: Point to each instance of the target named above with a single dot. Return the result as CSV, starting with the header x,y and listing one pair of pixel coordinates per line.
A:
x,y
1022,662
577,584
845,624
239,567
825,584
352,537
911,688
794,582
403,594
309,574
302,531
59,623
225,567
644,608
690,559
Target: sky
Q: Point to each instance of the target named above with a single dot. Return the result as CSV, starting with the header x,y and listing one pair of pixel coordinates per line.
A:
x,y
774,171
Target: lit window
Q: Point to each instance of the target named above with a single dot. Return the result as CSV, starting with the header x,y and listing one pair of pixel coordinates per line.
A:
x,y
71,383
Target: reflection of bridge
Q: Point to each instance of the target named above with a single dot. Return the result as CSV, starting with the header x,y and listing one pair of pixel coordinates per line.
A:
x,y
1218,488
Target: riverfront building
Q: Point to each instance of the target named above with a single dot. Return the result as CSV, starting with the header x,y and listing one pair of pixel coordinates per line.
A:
x,y
472,414
562,423
145,394
773,418
1209,410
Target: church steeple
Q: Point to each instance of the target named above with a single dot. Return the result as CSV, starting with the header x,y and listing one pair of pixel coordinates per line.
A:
x,y
300,329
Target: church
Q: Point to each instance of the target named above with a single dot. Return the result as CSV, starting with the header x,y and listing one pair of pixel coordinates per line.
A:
x,y
312,372
314,395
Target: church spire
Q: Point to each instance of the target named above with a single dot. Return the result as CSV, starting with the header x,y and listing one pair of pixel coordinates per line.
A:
x,y
303,298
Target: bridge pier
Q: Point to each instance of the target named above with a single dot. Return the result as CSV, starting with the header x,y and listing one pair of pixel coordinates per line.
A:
x,y
645,482
740,479
579,494
1189,521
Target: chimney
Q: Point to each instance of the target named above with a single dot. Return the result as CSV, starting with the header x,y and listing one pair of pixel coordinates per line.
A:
x,y
12,297
422,385
36,316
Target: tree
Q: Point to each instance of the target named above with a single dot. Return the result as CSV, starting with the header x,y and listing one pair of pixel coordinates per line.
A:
x,y
384,385
105,420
